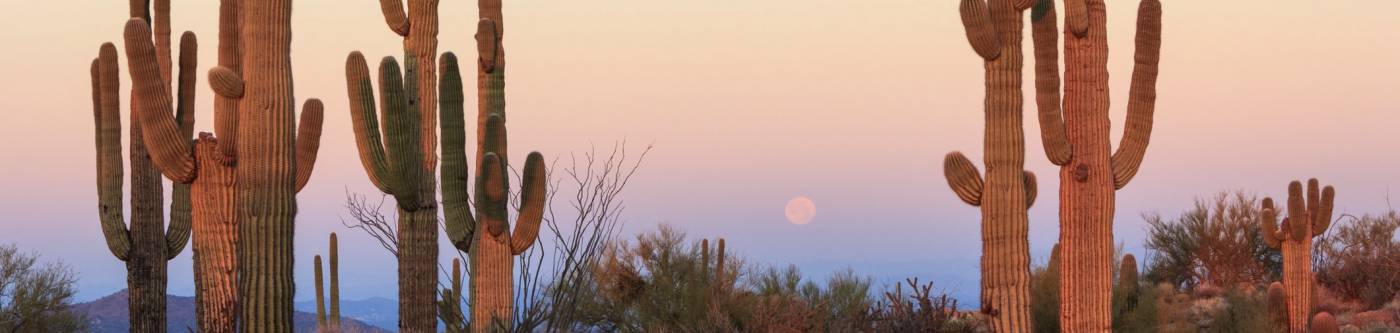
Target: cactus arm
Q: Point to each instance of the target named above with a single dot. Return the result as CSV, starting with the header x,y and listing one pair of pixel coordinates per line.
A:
x,y
533,190
1045,33
109,152
491,193
394,16
161,26
402,133
456,200
1024,4
487,45
491,103
963,178
1267,224
1298,217
335,284
1077,17
140,9
185,91
229,60
1323,218
170,152
177,234
227,84
320,296
981,33
366,123
1314,200
1142,96
1031,189
308,140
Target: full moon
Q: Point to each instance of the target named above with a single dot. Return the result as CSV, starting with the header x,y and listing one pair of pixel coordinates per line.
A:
x,y
800,210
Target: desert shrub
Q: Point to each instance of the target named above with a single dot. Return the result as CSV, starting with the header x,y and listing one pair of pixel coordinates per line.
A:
x,y
1359,259
1216,242
1045,294
1244,310
34,297
921,310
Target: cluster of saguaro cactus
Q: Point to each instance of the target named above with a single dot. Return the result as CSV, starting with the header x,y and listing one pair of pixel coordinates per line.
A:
x,y
214,168
994,28
328,323
146,245
401,162
718,278
1075,133
1307,217
405,166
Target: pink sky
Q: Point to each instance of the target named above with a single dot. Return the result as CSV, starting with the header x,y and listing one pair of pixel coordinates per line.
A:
x,y
752,103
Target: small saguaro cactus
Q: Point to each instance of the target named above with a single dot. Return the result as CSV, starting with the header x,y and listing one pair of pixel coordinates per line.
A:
x,y
718,278
1075,133
146,245
328,323
1308,217
408,173
1126,294
450,305
994,30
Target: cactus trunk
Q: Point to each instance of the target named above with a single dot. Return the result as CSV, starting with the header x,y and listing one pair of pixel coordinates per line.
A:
x,y
266,193
994,29
215,240
1078,141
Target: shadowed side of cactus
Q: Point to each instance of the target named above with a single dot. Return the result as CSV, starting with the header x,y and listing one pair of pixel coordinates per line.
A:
x,y
404,165
994,29
146,245
1309,215
1075,133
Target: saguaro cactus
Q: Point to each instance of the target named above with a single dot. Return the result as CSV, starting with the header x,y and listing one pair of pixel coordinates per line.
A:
x,y
994,30
146,245
1078,141
1278,305
329,323
1324,323
1308,217
412,153
450,306
270,164
491,252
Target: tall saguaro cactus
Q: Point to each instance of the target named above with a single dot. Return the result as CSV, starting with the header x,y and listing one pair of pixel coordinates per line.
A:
x,y
328,323
994,30
1308,217
273,162
492,252
1078,142
146,244
405,167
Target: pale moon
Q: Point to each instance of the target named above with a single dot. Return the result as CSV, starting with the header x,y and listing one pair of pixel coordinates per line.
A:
x,y
800,210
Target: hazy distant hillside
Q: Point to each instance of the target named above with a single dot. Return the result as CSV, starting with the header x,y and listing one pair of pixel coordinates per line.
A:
x,y
109,315
377,311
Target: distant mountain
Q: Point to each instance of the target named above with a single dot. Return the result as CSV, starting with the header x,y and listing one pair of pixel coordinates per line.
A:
x,y
377,311
109,315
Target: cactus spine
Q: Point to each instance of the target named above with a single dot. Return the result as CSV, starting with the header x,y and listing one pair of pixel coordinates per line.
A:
x,y
1078,141
994,30
491,253
147,244
404,168
329,323
1307,217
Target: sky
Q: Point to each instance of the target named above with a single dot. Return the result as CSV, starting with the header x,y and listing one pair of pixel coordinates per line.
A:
x,y
749,104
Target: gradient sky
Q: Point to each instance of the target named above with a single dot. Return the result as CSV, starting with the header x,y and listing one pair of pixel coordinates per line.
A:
x,y
752,103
